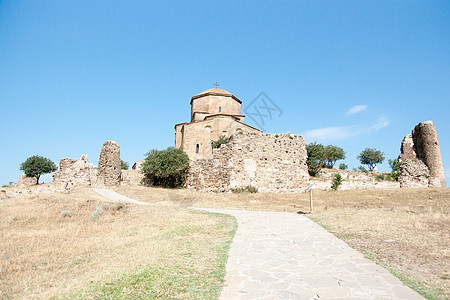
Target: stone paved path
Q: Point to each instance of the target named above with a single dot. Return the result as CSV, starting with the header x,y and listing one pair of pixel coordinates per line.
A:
x,y
116,197
287,256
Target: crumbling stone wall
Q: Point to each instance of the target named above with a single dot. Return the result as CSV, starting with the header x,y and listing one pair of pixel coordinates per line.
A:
x,y
213,174
74,173
421,158
269,162
133,177
109,170
352,180
25,180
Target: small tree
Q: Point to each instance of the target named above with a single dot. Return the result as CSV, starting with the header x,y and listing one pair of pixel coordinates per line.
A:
x,y
315,158
395,166
371,157
343,166
336,181
167,167
37,165
332,154
124,165
222,140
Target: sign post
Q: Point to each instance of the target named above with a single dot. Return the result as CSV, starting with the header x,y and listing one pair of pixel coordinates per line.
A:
x,y
310,188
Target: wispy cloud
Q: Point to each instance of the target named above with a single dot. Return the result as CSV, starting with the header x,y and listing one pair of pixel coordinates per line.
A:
x,y
342,132
381,123
332,133
356,109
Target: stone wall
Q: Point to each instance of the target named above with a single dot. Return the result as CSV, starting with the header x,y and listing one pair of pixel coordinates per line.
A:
x,y
421,158
74,173
24,180
352,180
133,177
269,162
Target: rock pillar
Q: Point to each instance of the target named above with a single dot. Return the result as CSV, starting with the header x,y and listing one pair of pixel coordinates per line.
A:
x,y
109,170
426,146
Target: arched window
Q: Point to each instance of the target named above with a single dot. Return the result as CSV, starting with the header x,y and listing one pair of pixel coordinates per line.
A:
x,y
197,148
220,108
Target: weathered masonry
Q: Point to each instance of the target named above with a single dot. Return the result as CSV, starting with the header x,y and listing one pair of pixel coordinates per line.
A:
x,y
268,162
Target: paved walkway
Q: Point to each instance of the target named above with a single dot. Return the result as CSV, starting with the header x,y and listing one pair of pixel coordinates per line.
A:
x,y
287,256
116,197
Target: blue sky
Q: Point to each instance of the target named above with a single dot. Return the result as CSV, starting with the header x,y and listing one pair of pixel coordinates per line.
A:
x,y
355,74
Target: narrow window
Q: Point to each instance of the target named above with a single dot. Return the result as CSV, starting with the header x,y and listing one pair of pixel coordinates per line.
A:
x,y
197,148
220,108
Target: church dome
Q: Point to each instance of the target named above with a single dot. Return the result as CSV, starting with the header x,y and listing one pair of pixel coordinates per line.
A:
x,y
215,91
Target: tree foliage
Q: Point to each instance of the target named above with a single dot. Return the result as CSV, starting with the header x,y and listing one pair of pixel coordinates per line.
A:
x,y
336,181
371,157
166,168
124,165
320,156
315,158
332,154
222,140
395,166
343,166
36,165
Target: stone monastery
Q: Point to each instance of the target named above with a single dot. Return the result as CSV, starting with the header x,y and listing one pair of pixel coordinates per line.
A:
x,y
250,158
214,113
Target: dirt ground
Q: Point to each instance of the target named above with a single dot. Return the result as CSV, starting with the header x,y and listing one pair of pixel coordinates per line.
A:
x,y
54,244
405,229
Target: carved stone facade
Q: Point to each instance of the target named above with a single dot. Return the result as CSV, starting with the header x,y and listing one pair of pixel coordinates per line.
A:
x,y
268,162
214,112
421,158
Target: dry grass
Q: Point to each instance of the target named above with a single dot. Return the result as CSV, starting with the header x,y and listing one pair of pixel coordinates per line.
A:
x,y
405,229
52,245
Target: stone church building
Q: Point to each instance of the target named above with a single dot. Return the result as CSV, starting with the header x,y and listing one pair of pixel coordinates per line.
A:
x,y
214,113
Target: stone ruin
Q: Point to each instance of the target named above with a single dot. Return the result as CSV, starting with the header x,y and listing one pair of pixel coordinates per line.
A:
x,y
269,162
80,173
109,167
421,159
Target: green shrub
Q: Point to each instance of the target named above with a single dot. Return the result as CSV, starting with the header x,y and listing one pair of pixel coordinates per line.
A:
x,y
222,140
395,166
362,169
166,168
336,181
380,177
124,165
315,158
343,166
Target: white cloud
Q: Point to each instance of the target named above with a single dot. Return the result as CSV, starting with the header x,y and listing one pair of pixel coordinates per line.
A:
x,y
332,133
356,109
381,123
342,132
